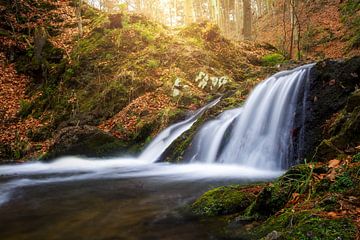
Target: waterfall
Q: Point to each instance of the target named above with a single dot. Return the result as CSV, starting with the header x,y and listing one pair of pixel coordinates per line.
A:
x,y
207,142
164,139
262,131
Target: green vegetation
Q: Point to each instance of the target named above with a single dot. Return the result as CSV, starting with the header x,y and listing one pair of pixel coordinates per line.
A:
x,y
25,108
350,16
306,225
222,201
272,59
342,183
356,158
295,206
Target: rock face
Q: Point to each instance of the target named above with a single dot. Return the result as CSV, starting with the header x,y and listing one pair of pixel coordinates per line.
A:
x,y
84,140
331,100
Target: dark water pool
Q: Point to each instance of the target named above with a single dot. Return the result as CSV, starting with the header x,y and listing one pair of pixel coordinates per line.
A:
x,y
93,200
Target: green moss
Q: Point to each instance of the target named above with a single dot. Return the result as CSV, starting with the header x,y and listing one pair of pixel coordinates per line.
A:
x,y
349,15
356,158
25,108
274,197
272,59
329,204
222,201
305,225
342,183
153,63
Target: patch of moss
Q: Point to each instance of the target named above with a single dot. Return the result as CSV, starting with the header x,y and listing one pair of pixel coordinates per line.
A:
x,y
272,59
305,225
25,108
222,201
349,15
342,183
329,204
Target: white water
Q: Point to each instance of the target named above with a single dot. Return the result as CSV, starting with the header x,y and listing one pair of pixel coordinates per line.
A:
x,y
261,133
70,169
163,140
207,142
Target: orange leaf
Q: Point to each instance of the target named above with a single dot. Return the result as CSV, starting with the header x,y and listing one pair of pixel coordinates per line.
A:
x,y
332,214
334,163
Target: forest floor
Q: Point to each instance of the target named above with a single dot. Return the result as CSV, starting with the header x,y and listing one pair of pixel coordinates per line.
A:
x,y
328,29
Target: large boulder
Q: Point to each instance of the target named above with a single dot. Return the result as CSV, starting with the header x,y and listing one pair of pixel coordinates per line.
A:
x,y
84,140
331,89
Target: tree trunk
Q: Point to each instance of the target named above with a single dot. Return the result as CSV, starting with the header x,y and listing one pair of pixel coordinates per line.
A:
x,y
79,18
247,19
188,11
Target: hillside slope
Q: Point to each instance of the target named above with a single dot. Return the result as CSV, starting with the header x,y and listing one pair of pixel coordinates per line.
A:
x,y
329,28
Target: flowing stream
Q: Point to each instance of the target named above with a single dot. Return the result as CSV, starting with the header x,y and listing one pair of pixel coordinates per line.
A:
x,y
137,198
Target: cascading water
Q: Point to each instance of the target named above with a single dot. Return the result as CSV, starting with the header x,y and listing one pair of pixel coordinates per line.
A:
x,y
261,135
207,142
163,140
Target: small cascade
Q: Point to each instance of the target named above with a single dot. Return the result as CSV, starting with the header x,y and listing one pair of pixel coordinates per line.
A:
x,y
163,140
207,142
262,130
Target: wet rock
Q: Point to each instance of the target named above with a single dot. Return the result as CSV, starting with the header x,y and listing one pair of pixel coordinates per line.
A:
x,y
331,89
84,140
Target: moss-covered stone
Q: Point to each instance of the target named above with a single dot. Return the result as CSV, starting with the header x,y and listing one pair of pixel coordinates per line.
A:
x,y
274,197
84,140
222,201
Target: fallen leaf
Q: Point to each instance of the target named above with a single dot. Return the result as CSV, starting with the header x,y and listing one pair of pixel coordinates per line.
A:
x,y
332,175
334,163
332,214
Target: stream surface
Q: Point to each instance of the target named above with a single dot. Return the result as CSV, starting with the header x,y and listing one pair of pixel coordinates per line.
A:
x,y
75,198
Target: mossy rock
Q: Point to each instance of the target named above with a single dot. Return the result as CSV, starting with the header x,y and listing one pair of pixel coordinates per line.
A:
x,y
326,151
347,136
275,196
305,225
86,141
353,101
222,201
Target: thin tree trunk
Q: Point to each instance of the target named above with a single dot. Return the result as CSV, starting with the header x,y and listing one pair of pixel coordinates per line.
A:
x,y
247,21
79,18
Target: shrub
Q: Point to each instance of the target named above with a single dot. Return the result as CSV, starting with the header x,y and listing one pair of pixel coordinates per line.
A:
x,y
272,59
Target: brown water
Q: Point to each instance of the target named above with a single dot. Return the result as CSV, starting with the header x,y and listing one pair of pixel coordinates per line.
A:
x,y
140,202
